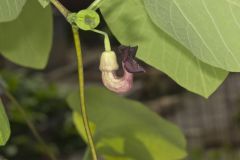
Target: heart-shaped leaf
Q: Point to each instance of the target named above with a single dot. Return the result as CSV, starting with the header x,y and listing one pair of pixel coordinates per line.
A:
x,y
44,3
131,25
124,129
208,28
4,126
28,39
10,9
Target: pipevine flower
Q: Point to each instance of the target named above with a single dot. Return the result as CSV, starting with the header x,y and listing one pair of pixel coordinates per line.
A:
x,y
109,67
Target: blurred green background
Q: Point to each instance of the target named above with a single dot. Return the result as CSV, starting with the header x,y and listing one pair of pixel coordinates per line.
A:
x,y
212,127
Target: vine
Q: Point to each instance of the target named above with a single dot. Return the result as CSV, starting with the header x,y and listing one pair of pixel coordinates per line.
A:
x,y
147,40
81,91
76,21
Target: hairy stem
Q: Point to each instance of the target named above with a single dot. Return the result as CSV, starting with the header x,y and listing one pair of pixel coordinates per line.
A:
x,y
61,8
65,12
31,126
81,91
95,5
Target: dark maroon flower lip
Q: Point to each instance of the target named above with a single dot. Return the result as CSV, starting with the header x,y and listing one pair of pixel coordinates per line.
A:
x,y
128,55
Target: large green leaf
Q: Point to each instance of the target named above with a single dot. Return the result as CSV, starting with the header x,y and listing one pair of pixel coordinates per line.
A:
x,y
208,28
4,126
44,3
10,9
125,129
131,25
27,40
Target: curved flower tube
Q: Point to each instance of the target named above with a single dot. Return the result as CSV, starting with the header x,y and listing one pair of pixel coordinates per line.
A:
x,y
117,84
109,66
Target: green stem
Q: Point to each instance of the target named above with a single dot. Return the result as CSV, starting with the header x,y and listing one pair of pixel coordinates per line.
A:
x,y
81,91
95,5
65,12
106,39
31,126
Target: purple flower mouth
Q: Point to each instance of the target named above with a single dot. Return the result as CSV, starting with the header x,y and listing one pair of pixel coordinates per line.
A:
x,y
128,55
